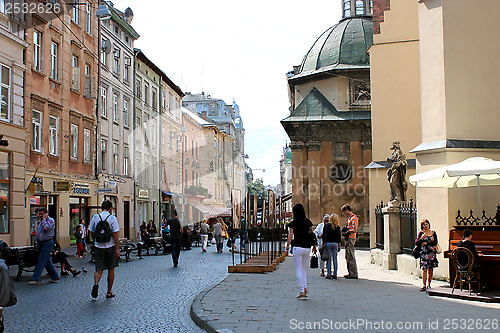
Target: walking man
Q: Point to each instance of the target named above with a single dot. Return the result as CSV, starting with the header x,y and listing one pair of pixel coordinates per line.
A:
x,y
204,234
104,229
352,226
175,237
45,243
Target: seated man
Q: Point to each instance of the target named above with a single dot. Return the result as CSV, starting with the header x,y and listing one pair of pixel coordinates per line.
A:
x,y
469,244
61,257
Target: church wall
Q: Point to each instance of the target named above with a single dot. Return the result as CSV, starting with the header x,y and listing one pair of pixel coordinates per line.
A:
x,y
472,76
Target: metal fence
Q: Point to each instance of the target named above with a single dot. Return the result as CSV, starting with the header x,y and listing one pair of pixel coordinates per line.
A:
x,y
483,220
408,220
379,218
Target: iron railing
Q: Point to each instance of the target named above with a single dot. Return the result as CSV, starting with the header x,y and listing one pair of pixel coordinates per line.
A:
x,y
408,229
483,220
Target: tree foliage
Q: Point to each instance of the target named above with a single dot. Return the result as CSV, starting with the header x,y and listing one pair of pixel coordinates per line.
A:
x,y
257,188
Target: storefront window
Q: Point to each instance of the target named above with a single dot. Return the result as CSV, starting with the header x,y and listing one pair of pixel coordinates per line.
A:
x,y
4,192
78,211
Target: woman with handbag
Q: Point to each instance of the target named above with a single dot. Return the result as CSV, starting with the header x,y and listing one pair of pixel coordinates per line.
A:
x,y
331,240
318,231
219,234
302,238
427,241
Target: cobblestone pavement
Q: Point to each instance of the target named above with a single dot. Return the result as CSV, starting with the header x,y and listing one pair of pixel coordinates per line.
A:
x,y
151,296
380,301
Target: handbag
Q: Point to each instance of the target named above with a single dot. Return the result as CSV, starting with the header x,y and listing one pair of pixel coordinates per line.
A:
x,y
314,262
438,249
213,241
416,252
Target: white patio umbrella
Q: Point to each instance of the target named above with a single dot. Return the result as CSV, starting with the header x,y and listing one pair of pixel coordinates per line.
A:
x,y
474,171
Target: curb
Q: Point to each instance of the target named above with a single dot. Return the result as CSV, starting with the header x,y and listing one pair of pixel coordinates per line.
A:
x,y
196,307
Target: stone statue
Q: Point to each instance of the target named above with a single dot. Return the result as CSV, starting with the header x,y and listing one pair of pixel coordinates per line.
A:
x,y
396,175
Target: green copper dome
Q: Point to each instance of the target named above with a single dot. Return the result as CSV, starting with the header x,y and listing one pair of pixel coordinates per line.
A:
x,y
343,46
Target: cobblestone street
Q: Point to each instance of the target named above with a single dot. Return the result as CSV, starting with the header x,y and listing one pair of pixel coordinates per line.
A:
x,y
151,296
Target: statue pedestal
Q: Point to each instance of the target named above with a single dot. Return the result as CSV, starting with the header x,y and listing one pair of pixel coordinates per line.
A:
x,y
392,235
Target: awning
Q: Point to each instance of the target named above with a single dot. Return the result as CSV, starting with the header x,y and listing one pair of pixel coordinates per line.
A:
x,y
167,193
219,212
201,207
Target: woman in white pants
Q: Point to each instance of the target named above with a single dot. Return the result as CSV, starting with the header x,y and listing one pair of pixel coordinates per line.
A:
x,y
301,238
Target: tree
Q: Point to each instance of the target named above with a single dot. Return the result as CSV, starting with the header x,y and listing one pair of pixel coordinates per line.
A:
x,y
257,188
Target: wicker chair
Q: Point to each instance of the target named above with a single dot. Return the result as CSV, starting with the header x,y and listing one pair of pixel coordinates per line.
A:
x,y
463,260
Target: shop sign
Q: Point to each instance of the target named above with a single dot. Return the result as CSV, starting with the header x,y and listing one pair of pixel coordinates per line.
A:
x,y
37,180
111,184
81,188
61,186
106,190
144,194
34,200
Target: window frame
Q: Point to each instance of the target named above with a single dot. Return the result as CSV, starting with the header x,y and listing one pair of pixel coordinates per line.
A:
x,y
126,168
87,145
104,153
116,117
36,142
73,141
126,113
54,136
7,88
75,72
37,50
9,189
104,102
88,16
75,14
54,61
116,154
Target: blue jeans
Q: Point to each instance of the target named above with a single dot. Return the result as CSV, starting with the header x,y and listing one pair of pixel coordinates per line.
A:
x,y
332,249
176,249
45,261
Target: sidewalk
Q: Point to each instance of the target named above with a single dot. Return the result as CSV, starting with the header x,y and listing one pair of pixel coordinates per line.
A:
x,y
380,301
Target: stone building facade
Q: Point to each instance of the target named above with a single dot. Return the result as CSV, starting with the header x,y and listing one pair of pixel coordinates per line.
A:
x,y
330,122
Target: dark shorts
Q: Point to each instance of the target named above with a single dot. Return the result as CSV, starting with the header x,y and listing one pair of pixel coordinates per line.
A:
x,y
105,258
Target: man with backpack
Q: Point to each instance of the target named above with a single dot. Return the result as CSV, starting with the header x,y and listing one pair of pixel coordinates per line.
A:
x,y
104,228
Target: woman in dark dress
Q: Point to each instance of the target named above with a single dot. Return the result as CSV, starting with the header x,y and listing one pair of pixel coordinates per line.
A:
x,y
427,241
300,230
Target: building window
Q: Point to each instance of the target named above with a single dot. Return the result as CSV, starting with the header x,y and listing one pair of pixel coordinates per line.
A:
x,y
146,93
75,73
37,131
2,6
73,142
125,161
75,14
4,192
347,8
88,81
53,60
87,144
104,153
104,102
37,50
138,88
115,157
104,56
88,14
126,70
125,113
341,150
54,136
115,108
116,61
5,91
164,99
360,7
154,101
154,165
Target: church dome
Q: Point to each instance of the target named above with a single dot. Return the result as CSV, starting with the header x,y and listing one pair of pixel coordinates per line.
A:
x,y
343,46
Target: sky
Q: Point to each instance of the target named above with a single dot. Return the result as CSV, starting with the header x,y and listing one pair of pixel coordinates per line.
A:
x,y
236,50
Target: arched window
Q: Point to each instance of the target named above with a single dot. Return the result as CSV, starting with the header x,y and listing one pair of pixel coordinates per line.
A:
x,y
360,7
347,8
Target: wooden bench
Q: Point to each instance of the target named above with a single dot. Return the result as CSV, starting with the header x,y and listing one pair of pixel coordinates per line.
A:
x,y
24,257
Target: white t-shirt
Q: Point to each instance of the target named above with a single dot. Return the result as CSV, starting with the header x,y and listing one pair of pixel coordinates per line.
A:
x,y
113,223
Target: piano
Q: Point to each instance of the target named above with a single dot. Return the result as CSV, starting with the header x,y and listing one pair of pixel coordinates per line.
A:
x,y
487,240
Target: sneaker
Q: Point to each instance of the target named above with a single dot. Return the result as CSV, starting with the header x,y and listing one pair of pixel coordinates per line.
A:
x,y
32,283
54,281
350,277
95,291
76,273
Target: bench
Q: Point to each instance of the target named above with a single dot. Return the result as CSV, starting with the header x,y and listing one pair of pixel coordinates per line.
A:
x,y
126,248
24,257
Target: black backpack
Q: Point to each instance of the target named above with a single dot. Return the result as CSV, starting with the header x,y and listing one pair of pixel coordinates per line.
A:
x,y
103,232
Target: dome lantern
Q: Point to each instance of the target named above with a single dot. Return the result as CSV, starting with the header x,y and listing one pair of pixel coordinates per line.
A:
x,y
351,8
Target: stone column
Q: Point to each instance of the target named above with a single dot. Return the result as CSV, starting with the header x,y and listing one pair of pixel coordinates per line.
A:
x,y
392,235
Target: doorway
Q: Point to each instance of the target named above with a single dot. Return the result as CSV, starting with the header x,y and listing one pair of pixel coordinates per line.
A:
x,y
126,219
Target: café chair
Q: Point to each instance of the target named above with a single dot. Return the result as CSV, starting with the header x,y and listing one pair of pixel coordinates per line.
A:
x,y
463,259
